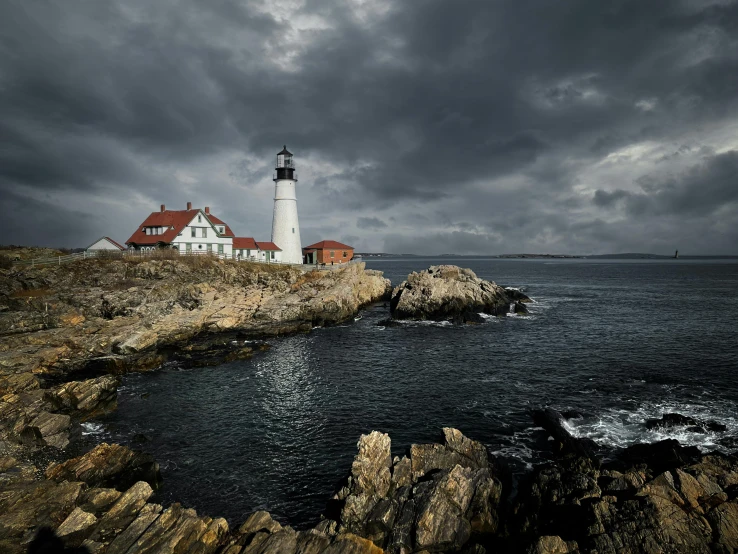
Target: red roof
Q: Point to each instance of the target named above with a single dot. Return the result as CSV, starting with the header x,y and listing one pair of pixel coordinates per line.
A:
x,y
244,243
325,244
174,222
268,246
218,221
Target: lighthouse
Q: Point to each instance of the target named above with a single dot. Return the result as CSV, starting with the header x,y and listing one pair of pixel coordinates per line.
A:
x,y
285,227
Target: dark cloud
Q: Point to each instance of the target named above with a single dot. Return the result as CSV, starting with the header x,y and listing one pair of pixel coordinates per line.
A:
x,y
489,127
370,223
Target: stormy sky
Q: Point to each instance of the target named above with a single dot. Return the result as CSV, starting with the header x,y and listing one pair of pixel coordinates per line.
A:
x,y
424,126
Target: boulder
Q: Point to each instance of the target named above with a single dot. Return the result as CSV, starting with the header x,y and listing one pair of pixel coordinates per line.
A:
x,y
444,292
108,465
89,398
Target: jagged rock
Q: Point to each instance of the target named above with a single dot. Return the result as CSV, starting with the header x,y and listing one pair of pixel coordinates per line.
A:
x,y
89,398
472,450
122,513
108,465
516,295
553,545
402,473
440,521
96,500
259,521
76,527
370,480
148,514
349,543
446,291
311,543
27,507
724,521
46,429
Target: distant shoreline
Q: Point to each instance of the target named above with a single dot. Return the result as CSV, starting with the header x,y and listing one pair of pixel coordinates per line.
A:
x,y
623,256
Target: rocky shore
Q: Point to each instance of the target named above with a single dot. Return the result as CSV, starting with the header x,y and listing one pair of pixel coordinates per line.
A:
x,y
68,332
451,496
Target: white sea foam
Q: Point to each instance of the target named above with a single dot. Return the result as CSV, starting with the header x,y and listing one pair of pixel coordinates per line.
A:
x,y
619,428
91,428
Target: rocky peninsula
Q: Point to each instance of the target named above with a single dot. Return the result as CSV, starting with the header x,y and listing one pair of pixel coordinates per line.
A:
x,y
68,332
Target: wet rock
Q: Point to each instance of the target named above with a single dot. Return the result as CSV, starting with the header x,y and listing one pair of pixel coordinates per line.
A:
x,y
519,308
553,422
108,465
516,295
659,456
468,317
671,420
446,291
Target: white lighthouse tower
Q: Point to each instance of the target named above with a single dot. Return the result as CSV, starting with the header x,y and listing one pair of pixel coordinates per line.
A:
x,y
285,226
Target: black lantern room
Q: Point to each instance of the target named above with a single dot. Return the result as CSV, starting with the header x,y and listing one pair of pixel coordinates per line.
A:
x,y
285,165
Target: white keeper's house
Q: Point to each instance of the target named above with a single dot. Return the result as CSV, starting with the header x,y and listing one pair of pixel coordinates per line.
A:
x,y
196,230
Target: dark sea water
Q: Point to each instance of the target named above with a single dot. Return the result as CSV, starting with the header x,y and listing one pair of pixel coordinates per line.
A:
x,y
620,341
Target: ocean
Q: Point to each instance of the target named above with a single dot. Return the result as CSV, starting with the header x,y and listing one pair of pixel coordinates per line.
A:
x,y
619,341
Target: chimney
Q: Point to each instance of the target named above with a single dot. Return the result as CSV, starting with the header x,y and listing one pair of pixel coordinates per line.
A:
x,y
189,205
207,210
163,207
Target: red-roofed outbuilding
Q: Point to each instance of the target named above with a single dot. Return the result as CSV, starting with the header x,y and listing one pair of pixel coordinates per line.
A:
x,y
327,252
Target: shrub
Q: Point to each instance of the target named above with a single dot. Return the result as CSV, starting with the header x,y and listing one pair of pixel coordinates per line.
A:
x,y
5,262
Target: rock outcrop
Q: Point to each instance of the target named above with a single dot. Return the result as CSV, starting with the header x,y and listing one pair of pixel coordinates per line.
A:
x,y
439,498
449,292
102,317
108,465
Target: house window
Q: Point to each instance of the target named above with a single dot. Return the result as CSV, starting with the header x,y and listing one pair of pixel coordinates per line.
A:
x,y
194,231
204,232
293,230
344,254
210,247
188,247
333,254
220,249
199,219
248,253
199,246
221,229
148,231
